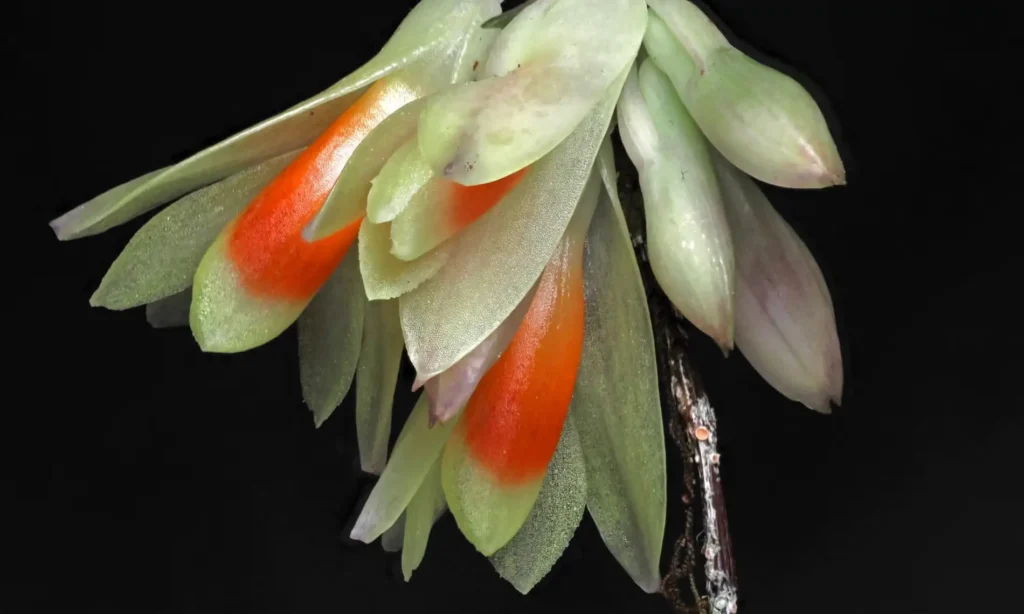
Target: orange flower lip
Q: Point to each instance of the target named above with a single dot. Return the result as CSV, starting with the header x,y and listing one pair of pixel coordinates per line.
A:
x,y
266,243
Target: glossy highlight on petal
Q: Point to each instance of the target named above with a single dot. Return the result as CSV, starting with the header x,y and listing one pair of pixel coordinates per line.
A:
x,y
495,461
688,237
547,70
759,118
785,324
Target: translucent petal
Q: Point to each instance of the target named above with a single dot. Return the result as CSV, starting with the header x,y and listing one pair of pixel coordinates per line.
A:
x,y
616,406
688,238
785,323
170,311
449,391
376,378
547,70
418,446
499,257
386,277
759,118
426,507
393,539
162,257
530,555
431,24
330,334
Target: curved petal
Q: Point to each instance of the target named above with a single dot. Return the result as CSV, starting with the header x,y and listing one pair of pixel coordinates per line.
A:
x,y
330,333
417,448
688,238
431,24
376,379
162,257
402,176
424,509
494,464
387,277
500,257
616,406
761,119
449,391
547,70
785,323
530,555
170,311
441,209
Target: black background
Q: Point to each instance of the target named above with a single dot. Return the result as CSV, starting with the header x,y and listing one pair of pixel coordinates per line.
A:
x,y
153,478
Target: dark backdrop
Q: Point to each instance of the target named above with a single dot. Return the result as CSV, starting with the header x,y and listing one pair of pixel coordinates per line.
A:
x,y
153,478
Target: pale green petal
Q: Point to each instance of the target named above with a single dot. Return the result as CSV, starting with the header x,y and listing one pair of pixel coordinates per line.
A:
x,y
616,406
688,239
402,176
418,446
759,118
330,335
425,508
376,378
170,311
547,70
162,257
394,538
538,545
386,277
509,246
431,24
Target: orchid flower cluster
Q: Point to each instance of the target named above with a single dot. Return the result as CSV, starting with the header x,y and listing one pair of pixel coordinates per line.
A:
x,y
454,199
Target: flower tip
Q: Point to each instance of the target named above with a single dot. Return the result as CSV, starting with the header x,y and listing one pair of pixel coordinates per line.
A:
x,y
63,226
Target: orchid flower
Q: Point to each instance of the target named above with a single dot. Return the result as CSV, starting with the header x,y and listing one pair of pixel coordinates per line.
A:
x,y
455,200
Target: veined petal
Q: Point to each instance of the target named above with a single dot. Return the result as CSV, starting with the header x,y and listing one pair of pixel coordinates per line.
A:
x,y
530,555
162,258
494,463
616,406
688,238
441,209
759,118
449,390
330,333
500,257
376,378
547,70
432,24
418,446
424,509
387,277
785,323
170,311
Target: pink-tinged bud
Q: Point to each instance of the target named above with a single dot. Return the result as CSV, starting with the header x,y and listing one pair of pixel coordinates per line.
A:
x,y
785,324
